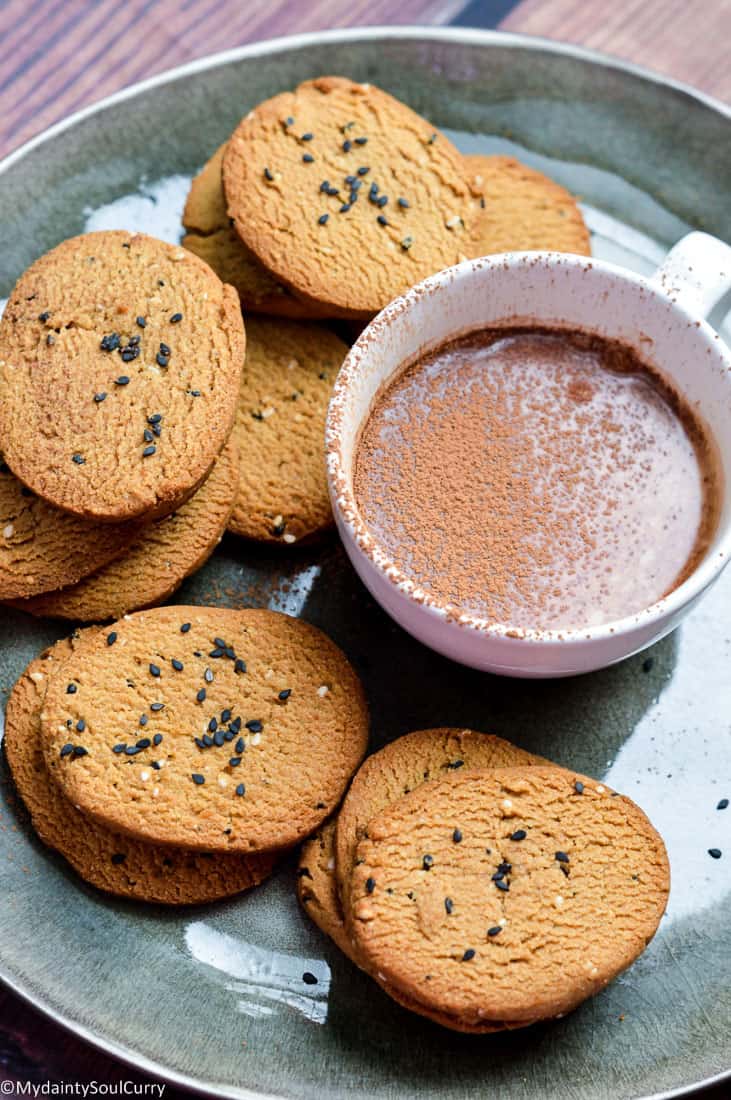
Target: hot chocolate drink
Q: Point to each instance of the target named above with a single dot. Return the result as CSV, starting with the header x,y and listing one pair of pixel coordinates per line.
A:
x,y
538,478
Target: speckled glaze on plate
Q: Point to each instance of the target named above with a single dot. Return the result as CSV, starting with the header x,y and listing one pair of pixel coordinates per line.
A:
x,y
213,997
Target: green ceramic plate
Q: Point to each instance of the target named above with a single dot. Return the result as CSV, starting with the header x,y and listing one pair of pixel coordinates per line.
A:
x,y
213,997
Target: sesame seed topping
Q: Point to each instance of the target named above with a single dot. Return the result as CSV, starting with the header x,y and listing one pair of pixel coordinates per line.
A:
x,y
144,743
562,857
141,321
285,694
78,459
44,316
198,778
382,219
240,745
110,342
111,637
579,787
154,670
268,174
519,834
157,739
370,885
361,141
118,857
71,689
501,884
241,789
176,318
457,836
149,450
363,170
448,905
67,749
208,676
406,243
723,804
403,202
239,665
123,380
469,954
201,695
99,397
347,146
157,706
185,627
427,862
162,360
307,137
495,930
254,725
307,158
177,665
323,219
235,761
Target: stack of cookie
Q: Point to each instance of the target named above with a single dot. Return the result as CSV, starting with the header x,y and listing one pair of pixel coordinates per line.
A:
x,y
481,886
173,756
327,202
120,363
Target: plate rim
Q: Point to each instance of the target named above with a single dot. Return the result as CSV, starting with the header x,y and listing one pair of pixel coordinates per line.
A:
x,y
458,35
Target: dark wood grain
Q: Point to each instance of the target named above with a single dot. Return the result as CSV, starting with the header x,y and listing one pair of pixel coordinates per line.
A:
x,y
57,56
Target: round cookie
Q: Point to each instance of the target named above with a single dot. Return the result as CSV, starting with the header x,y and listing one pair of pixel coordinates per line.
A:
x,y
105,859
286,385
163,554
346,195
258,720
43,548
555,879
120,360
317,887
404,764
211,237
525,210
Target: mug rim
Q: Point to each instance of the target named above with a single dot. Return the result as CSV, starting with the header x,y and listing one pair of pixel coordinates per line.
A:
x,y
354,526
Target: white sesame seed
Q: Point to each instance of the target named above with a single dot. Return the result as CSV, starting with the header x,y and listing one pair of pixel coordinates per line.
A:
x,y
558,901
506,804
222,781
292,364
331,864
266,413
36,677
145,775
256,739
289,538
269,672
277,520
453,222
323,690
600,789
8,531
155,792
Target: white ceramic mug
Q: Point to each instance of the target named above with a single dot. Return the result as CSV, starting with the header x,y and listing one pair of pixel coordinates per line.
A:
x,y
661,317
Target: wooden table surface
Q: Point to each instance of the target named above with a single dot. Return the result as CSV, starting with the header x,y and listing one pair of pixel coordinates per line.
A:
x,y
57,56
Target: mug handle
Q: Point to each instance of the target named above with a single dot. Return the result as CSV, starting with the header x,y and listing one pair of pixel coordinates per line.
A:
x,y
696,273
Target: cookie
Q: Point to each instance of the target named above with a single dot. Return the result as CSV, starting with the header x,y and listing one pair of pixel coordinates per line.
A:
x,y
211,236
317,887
163,554
287,382
525,210
43,548
556,885
120,361
206,728
401,766
346,195
105,859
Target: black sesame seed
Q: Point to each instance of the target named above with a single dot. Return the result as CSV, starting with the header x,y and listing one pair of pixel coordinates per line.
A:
x,y
241,789
505,867
129,353
268,174
307,158
373,192
370,885
133,341
81,725
469,954
207,740
157,706
323,219
279,528
361,141
213,725
403,202
157,739
67,749
155,419
123,380
347,146
382,200
165,350
308,978
562,857
198,778
519,834
501,884
144,743
110,342
235,761
185,628
564,869
427,863
79,750
432,139
141,321
194,393
289,121
307,137
71,689
714,853
78,459
111,637
162,360
201,695
454,764
406,243
199,743
498,875
239,665
448,905
177,665
723,804
363,170
99,397
44,316
457,836
495,930
240,745
132,750
149,450
579,787
118,857
154,670
325,185
218,738
225,715
119,748
255,725
343,210
284,695
147,435
382,219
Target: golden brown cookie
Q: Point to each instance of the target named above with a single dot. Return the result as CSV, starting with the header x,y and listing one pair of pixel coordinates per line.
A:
x,y
525,210
346,195
555,886
163,554
404,764
105,859
317,887
211,236
43,548
120,361
287,382
258,719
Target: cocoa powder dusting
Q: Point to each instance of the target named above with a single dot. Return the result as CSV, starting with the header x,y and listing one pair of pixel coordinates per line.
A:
x,y
537,478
